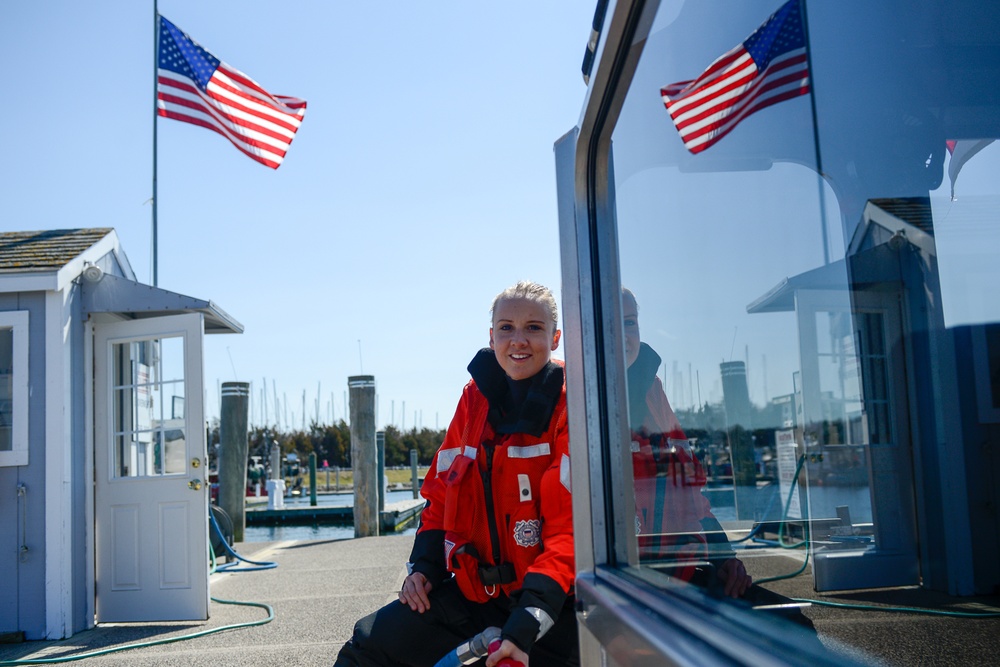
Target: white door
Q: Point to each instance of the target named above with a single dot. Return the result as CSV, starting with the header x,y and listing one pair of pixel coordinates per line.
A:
x,y
151,465
853,374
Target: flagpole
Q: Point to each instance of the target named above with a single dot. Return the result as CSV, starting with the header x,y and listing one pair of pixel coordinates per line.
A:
x,y
815,123
156,52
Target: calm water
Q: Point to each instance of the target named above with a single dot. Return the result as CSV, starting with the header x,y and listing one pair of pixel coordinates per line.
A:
x,y
315,532
318,531
823,501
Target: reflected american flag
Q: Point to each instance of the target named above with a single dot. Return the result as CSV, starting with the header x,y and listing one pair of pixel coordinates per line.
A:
x,y
770,66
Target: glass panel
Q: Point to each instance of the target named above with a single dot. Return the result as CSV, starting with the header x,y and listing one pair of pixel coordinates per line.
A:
x,y
172,359
174,451
125,408
148,409
811,288
6,389
710,243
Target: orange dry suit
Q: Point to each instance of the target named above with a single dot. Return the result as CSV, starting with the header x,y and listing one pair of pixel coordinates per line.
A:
x,y
499,510
674,520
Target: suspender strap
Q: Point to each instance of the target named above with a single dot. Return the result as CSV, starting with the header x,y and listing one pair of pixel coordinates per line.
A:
x,y
503,573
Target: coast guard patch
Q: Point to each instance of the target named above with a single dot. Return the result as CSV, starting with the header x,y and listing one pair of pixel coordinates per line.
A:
x,y
528,533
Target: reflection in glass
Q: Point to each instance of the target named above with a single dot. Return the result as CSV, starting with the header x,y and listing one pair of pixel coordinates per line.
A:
x,y
820,340
6,389
674,524
783,272
172,359
147,408
174,451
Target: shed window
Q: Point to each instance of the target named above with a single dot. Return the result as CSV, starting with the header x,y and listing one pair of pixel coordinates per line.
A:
x,y
14,388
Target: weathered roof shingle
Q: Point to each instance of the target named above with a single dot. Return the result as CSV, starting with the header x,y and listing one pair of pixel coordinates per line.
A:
x,y
46,250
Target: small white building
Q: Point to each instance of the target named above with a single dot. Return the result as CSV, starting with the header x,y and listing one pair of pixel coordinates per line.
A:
x,y
103,500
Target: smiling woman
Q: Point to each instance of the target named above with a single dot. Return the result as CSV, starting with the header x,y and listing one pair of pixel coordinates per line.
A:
x,y
495,541
524,332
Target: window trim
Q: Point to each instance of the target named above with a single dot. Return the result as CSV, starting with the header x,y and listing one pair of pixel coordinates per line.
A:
x,y
590,281
17,321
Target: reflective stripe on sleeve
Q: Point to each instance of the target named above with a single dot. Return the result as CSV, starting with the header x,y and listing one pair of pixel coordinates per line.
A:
x,y
545,621
446,457
564,473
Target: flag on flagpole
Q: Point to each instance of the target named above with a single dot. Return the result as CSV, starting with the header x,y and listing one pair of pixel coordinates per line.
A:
x,y
193,86
770,66
961,152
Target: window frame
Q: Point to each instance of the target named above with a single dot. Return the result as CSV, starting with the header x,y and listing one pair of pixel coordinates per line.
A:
x,y
623,615
17,322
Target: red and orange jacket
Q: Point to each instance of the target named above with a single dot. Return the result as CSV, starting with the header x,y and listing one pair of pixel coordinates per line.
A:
x,y
674,520
499,510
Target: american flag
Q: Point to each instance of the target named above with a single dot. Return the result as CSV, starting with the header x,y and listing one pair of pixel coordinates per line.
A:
x,y
961,152
195,87
770,66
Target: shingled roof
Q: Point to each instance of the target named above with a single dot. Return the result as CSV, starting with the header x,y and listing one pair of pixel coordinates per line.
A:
x,y
46,250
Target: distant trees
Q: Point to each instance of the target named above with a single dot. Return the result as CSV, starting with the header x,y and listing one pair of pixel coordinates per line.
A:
x,y
332,443
398,445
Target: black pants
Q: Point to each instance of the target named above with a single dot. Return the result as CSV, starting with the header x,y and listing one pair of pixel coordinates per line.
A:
x,y
396,635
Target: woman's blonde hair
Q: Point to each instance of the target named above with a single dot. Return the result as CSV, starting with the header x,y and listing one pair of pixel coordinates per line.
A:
x,y
532,291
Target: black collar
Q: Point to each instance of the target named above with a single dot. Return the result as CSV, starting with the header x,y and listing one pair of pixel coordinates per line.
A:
x,y
534,413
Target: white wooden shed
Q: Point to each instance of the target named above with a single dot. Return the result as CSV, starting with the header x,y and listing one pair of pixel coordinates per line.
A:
x,y
103,507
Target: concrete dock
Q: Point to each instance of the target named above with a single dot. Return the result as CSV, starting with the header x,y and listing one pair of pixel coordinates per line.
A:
x,y
317,592
320,588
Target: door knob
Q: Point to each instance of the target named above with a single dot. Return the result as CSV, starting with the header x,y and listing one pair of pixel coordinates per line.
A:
x,y
195,484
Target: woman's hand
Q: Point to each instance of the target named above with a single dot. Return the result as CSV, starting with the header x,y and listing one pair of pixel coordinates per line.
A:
x,y
508,649
414,592
735,578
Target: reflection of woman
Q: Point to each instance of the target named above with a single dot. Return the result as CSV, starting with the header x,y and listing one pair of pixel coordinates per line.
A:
x,y
674,521
495,542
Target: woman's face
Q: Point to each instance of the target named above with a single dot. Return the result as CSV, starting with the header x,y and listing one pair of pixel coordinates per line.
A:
x,y
523,337
631,311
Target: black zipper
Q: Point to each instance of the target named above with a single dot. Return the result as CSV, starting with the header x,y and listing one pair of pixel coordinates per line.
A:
x,y
490,512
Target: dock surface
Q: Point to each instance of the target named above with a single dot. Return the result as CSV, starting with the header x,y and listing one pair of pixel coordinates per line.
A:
x,y
318,591
320,588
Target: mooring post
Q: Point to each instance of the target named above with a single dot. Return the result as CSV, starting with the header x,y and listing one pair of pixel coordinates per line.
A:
x,y
380,447
414,474
739,432
276,484
275,460
233,454
363,455
312,479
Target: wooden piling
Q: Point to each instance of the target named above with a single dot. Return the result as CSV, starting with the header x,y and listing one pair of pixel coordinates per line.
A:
x,y
233,447
364,455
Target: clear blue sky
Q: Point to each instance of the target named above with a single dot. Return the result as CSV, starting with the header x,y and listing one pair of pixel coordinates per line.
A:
x,y
421,183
